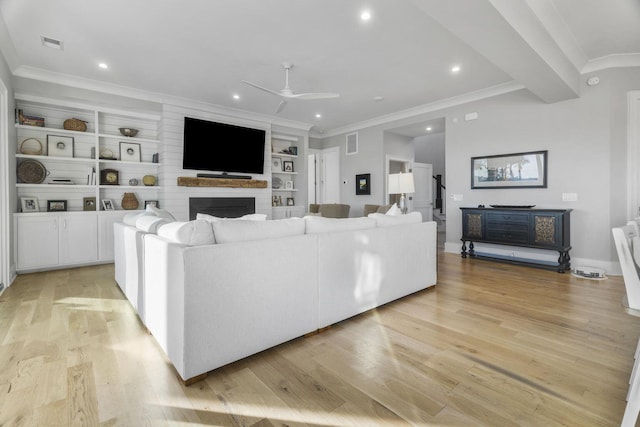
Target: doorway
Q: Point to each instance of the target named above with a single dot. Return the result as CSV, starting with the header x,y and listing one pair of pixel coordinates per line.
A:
x,y
324,175
5,246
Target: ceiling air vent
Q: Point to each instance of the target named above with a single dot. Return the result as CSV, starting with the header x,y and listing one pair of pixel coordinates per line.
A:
x,y
352,143
52,43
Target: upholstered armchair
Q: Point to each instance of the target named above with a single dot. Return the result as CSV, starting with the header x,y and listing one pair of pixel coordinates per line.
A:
x,y
330,210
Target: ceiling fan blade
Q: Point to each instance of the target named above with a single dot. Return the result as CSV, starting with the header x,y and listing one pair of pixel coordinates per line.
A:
x,y
274,92
314,95
281,106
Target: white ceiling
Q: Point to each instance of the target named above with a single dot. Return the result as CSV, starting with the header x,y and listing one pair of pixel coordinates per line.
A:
x,y
203,49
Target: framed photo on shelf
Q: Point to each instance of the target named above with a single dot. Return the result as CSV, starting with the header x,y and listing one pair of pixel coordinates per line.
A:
x,y
153,203
290,201
59,146
276,164
287,166
56,205
29,204
129,152
288,185
88,203
107,205
363,184
276,201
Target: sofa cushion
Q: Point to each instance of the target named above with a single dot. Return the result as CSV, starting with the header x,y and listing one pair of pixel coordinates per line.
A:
x,y
162,213
318,224
150,223
191,233
251,217
394,210
383,220
243,230
132,217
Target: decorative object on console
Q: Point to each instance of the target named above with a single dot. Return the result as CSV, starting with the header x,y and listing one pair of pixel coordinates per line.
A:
x,y
107,205
149,180
31,172
130,152
129,202
29,204
109,177
130,132
31,146
363,186
401,183
517,170
88,203
59,146
75,124
56,205
287,166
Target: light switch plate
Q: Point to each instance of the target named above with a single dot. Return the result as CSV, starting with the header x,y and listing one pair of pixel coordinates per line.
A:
x,y
569,197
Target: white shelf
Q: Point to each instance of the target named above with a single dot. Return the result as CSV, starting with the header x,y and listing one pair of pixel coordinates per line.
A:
x,y
291,156
284,173
282,190
128,138
286,207
72,186
131,187
56,159
150,164
55,130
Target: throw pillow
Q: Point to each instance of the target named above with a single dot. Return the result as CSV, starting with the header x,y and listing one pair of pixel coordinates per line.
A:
x,y
318,224
150,223
243,230
132,217
384,209
251,217
383,220
191,233
162,213
394,211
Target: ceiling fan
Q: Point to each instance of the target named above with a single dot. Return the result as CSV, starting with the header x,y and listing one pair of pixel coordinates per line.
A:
x,y
287,93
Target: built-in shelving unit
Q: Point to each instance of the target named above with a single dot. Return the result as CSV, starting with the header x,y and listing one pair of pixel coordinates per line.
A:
x,y
285,170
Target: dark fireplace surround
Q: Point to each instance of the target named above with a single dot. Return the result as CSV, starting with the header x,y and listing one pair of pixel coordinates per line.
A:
x,y
224,207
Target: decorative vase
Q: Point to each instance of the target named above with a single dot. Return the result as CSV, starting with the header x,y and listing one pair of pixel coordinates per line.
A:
x,y
149,180
133,181
129,201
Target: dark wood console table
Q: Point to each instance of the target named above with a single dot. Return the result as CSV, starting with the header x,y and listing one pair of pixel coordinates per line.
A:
x,y
529,228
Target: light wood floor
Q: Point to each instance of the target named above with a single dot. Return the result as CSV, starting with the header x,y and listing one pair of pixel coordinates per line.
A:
x,y
492,345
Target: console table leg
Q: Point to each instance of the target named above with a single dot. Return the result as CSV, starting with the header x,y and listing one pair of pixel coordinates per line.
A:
x,y
464,249
471,251
564,261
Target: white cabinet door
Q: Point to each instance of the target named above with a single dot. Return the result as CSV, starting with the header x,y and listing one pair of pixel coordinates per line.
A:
x,y
105,233
78,238
296,211
279,213
37,241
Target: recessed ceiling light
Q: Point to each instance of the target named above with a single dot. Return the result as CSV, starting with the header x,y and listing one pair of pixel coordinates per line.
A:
x,y
236,96
103,65
52,43
318,116
455,69
365,15
378,98
429,128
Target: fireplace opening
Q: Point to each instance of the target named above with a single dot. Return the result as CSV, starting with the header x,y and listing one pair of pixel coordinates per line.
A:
x,y
224,207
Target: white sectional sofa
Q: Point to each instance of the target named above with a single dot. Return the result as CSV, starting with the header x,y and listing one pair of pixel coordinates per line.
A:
x,y
216,292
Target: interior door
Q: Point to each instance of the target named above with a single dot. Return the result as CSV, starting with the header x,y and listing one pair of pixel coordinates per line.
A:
x,y
330,175
423,197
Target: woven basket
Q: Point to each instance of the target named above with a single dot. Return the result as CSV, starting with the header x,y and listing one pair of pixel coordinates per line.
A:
x,y
31,146
31,172
129,201
75,124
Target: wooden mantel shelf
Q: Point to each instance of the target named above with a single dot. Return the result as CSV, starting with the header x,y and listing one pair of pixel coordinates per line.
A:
x,y
192,181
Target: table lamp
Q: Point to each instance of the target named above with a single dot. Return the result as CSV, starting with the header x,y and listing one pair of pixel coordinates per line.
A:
x,y
401,183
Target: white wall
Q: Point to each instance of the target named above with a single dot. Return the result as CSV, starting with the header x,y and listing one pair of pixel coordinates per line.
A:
x,y
7,171
430,149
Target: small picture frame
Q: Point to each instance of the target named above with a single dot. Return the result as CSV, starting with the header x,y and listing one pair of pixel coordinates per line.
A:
x,y
59,146
153,203
56,205
276,164
276,201
129,152
290,201
288,185
89,203
29,204
287,166
107,205
363,184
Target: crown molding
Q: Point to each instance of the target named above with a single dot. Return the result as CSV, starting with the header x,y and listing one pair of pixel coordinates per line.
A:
x,y
619,60
129,92
489,92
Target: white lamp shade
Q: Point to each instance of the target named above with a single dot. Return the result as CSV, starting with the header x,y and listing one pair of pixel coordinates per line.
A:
x,y
400,183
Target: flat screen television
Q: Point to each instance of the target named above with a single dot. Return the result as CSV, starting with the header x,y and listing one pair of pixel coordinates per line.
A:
x,y
220,147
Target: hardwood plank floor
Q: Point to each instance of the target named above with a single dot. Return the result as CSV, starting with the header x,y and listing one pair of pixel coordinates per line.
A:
x,y
492,344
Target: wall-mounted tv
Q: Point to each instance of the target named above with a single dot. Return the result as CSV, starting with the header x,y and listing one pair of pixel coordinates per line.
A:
x,y
220,147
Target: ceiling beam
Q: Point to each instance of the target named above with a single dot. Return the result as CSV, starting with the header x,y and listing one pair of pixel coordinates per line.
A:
x,y
510,35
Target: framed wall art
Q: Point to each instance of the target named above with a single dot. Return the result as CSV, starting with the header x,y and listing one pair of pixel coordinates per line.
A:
x,y
517,170
287,166
363,184
88,203
29,204
59,146
56,205
130,152
107,205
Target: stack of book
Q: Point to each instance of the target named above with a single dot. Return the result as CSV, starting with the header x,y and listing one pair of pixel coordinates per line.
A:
x,y
61,181
24,119
91,176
